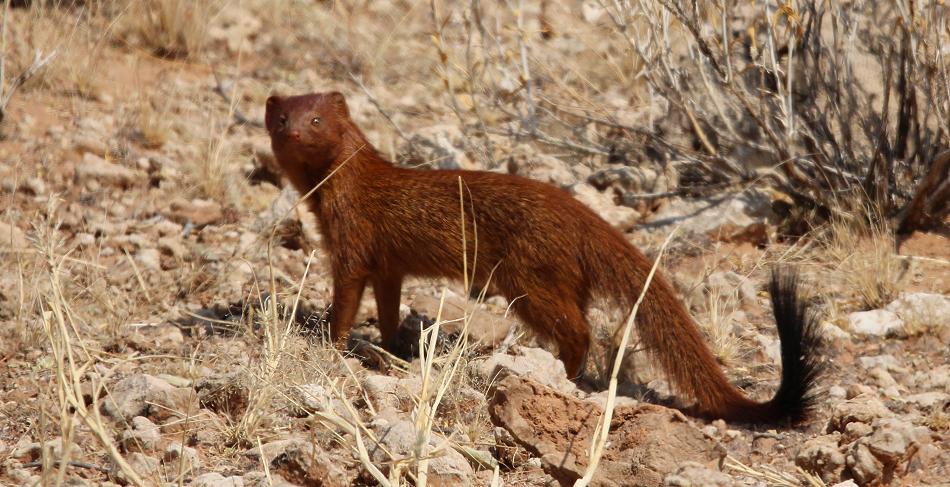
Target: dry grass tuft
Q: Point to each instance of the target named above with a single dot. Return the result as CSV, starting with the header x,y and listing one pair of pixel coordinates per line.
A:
x,y
213,172
938,421
865,262
721,306
154,124
170,28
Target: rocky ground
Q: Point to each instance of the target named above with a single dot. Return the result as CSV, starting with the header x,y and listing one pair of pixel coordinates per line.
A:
x,y
163,301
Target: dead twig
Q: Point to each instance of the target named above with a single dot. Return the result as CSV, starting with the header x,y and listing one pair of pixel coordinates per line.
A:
x,y
372,99
39,62
57,463
221,87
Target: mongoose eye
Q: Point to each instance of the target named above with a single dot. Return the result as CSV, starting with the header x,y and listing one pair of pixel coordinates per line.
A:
x,y
315,121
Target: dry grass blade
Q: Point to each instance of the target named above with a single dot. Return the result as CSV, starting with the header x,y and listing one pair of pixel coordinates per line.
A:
x,y
138,276
355,427
277,333
599,438
425,411
265,465
57,323
428,403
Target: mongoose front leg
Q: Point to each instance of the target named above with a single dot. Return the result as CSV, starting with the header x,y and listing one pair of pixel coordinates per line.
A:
x,y
387,290
347,292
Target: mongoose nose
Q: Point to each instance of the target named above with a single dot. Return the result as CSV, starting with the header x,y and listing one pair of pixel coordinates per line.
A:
x,y
294,134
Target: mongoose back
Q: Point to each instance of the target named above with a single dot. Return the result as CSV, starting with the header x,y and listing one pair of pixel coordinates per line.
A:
x,y
545,251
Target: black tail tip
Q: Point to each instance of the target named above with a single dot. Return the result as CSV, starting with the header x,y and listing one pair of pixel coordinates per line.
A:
x,y
801,343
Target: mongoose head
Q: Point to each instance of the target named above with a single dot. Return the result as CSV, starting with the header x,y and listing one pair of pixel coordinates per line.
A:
x,y
308,132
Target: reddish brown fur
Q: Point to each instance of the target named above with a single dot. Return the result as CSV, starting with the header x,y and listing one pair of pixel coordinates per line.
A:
x,y
541,248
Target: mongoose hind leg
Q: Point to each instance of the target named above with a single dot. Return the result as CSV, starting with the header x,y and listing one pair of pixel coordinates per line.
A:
x,y
558,317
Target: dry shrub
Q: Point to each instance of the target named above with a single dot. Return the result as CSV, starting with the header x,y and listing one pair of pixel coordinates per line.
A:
x,y
816,99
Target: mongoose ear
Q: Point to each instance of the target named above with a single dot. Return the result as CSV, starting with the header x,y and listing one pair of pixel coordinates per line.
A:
x,y
272,107
339,101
